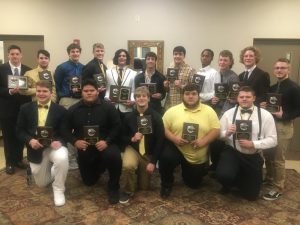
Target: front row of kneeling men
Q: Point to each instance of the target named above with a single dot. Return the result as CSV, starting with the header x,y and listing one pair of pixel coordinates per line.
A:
x,y
240,164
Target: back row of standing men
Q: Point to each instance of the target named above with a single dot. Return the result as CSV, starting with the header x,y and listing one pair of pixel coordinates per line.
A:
x,y
193,162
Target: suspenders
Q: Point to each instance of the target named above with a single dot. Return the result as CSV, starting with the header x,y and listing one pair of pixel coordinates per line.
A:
x,y
259,122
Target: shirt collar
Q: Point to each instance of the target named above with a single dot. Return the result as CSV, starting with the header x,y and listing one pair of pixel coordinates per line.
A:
x,y
192,110
48,104
13,66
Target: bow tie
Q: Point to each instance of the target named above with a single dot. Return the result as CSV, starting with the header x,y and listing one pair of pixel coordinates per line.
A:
x,y
246,111
43,106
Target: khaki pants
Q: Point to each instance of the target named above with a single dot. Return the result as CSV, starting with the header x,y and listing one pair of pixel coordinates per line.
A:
x,y
134,163
275,160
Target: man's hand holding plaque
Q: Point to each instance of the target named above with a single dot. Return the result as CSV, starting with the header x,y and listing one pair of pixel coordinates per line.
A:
x,y
17,82
243,130
45,75
221,91
91,134
190,131
172,74
45,135
144,124
119,94
273,102
198,80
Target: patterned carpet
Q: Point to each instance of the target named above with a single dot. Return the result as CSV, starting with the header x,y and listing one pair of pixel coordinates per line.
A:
x,y
22,205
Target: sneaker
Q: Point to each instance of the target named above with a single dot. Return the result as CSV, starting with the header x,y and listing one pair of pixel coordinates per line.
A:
x,y
272,195
165,192
113,197
124,197
59,198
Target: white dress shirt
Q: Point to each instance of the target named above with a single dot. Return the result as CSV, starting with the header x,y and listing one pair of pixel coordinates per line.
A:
x,y
268,137
211,77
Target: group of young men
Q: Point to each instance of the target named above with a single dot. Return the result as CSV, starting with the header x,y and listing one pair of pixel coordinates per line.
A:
x,y
131,134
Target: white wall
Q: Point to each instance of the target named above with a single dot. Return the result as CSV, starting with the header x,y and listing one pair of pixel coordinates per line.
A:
x,y
195,24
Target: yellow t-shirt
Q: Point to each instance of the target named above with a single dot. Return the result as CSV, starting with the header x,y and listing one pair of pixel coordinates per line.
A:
x,y
203,115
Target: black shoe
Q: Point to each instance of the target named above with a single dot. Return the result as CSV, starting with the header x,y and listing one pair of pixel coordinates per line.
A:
x,y
21,165
124,197
9,169
113,197
165,192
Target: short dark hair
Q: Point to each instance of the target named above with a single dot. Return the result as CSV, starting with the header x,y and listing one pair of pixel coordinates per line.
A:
x,y
73,46
45,84
211,52
179,49
151,54
11,47
191,87
117,53
91,82
247,89
44,52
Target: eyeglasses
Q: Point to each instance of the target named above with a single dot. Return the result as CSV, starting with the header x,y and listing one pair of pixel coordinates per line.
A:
x,y
280,68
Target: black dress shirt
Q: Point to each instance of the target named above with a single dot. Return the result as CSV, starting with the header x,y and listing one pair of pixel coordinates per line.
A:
x,y
100,113
290,99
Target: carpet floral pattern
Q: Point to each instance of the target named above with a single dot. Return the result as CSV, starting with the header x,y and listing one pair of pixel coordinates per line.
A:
x,y
23,205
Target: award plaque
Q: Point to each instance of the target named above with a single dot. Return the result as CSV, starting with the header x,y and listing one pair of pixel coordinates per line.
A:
x,y
45,135
91,134
17,82
233,90
172,74
243,129
119,93
151,87
100,79
45,75
221,91
198,80
114,93
144,124
125,93
190,131
75,82
273,102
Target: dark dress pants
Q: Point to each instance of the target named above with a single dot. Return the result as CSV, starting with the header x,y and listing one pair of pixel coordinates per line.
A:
x,y
170,158
92,163
241,170
13,147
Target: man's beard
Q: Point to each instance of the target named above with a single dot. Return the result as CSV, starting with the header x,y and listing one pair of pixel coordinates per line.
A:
x,y
193,106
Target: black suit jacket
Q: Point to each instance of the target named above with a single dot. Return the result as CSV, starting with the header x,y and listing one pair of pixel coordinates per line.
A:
x,y
159,79
259,80
27,124
91,68
10,104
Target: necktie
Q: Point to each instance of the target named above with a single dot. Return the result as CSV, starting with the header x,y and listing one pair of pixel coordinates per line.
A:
x,y
246,75
278,87
246,111
142,144
102,68
16,72
120,77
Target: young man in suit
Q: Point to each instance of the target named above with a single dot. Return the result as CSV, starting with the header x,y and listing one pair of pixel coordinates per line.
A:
x,y
142,148
151,75
253,76
93,126
96,66
10,102
42,72
121,75
47,155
